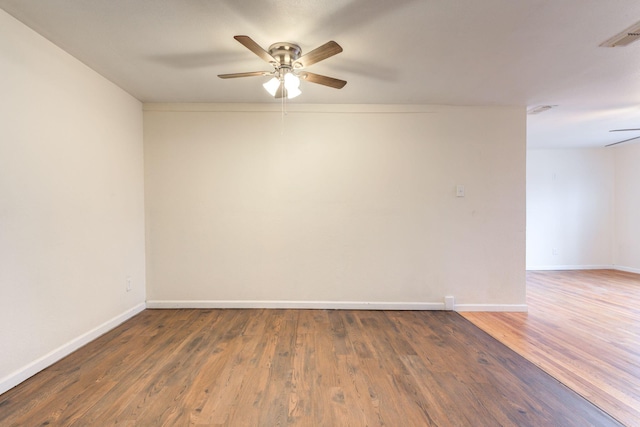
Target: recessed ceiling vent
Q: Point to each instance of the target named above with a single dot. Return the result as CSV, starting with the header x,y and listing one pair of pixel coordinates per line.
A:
x,y
625,37
540,109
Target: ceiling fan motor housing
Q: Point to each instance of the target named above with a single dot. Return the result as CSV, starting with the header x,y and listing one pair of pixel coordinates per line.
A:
x,y
285,53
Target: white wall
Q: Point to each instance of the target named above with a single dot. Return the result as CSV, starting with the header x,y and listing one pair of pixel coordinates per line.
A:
x,y
570,213
338,204
71,203
627,207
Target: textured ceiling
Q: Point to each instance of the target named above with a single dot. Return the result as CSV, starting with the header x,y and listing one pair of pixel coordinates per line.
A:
x,y
463,52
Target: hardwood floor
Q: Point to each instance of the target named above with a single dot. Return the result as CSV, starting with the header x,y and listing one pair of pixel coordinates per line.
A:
x,y
583,328
296,367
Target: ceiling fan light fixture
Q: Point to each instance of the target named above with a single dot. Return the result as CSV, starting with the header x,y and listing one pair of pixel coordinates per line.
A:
x,y
291,81
272,86
292,85
293,92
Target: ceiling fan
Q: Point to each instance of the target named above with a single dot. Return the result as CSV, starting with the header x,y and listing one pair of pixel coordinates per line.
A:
x,y
289,66
624,140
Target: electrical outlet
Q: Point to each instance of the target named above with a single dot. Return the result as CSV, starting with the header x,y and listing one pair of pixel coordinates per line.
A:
x,y
554,251
128,284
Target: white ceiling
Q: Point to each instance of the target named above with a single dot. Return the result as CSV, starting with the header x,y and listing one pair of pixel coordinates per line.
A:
x,y
458,52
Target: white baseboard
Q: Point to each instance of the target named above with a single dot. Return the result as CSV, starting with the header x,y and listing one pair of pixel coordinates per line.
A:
x,y
583,267
570,267
334,305
50,358
627,269
521,308
318,305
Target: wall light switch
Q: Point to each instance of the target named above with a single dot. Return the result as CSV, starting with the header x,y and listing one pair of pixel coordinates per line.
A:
x,y
459,190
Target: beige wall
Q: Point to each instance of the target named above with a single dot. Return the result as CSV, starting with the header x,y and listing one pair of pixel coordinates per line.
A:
x,y
583,207
334,203
570,208
71,203
627,207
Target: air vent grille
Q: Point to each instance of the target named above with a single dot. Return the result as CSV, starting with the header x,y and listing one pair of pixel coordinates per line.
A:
x,y
540,109
625,37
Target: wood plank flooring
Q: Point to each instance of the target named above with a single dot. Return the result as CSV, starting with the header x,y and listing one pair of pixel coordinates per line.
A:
x,y
583,328
296,367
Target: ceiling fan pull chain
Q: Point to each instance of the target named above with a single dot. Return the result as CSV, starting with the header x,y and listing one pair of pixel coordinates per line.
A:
x,y
283,101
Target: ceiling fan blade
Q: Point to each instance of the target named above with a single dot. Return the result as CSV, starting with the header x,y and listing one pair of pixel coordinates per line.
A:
x,y
620,142
324,80
249,74
256,48
325,51
622,130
